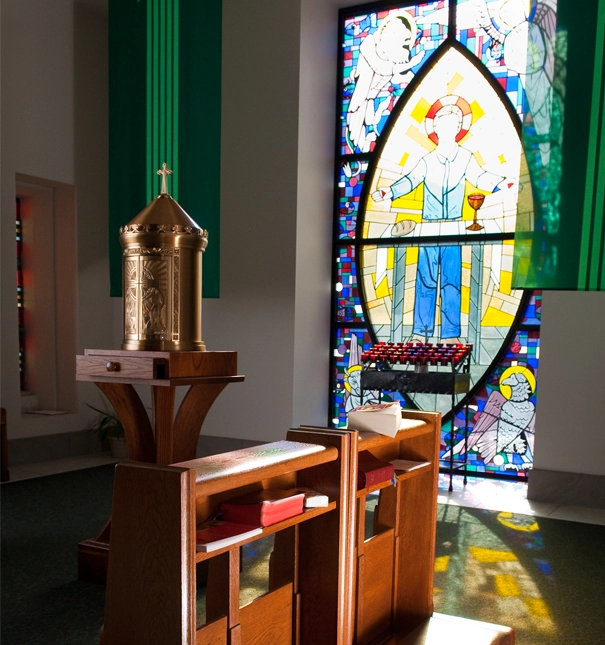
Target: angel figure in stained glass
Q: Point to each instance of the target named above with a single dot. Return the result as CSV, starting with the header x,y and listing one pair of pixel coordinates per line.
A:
x,y
505,427
523,33
384,61
354,396
443,171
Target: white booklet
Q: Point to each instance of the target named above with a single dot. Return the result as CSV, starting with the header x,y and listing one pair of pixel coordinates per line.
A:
x,y
405,465
383,418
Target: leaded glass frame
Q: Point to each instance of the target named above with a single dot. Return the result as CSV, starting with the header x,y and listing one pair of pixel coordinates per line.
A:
x,y
405,71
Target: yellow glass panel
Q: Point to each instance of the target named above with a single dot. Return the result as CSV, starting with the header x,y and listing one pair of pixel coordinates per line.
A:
x,y
420,138
477,111
420,111
454,83
465,295
479,158
382,290
411,256
496,318
506,281
390,259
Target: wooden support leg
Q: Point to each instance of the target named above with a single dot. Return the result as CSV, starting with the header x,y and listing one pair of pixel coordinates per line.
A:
x,y
93,554
190,417
131,412
163,414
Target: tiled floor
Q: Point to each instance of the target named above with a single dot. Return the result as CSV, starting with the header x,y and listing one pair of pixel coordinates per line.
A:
x,y
510,496
490,494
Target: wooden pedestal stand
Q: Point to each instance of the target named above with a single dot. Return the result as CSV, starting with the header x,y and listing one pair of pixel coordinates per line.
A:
x,y
172,438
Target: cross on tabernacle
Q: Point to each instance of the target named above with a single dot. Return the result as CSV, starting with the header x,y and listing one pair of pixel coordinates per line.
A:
x,y
165,171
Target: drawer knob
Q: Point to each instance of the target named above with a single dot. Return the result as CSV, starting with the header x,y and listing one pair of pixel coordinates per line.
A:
x,y
113,366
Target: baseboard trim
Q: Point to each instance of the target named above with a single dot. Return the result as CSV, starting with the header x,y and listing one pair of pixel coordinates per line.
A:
x,y
574,489
33,450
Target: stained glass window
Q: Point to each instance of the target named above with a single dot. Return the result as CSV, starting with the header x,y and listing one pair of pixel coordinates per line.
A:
x,y
20,300
443,116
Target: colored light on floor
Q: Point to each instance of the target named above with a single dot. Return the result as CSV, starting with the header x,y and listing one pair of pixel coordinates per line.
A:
x,y
537,607
506,585
490,555
441,563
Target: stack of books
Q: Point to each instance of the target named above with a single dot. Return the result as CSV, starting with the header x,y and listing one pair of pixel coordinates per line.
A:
x,y
384,418
244,517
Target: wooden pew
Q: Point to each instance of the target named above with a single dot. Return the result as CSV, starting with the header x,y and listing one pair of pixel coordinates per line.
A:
x,y
329,582
151,585
392,570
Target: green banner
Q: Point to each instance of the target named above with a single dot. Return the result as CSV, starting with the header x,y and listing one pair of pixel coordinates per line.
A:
x,y
165,106
564,248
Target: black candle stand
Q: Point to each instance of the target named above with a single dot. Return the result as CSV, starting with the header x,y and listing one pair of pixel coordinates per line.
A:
x,y
421,368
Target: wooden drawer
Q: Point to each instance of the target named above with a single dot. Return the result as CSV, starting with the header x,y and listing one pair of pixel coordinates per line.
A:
x,y
176,364
144,367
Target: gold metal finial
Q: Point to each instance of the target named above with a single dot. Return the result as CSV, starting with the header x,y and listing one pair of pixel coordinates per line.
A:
x,y
165,171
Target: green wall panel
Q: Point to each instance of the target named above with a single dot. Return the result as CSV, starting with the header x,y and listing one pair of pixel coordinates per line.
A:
x,y
165,106
568,252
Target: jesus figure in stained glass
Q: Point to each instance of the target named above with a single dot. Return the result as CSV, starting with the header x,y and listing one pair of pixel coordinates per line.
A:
x,y
443,171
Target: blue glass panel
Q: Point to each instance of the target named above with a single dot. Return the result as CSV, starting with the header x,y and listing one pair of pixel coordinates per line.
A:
x,y
352,175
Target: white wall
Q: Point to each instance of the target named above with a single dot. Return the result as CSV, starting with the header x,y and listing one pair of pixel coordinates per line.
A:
x,y
54,127
255,314
570,422
276,215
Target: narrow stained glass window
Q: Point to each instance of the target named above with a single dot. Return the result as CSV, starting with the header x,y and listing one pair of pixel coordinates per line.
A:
x,y
20,300
443,146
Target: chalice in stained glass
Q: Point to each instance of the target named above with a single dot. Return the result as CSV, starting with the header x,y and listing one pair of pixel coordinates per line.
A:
x,y
475,201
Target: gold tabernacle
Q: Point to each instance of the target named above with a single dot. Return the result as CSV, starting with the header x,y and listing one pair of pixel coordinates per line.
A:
x,y
162,277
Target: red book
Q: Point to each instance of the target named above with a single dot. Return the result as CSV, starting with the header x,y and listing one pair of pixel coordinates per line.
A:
x,y
371,470
264,507
215,534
